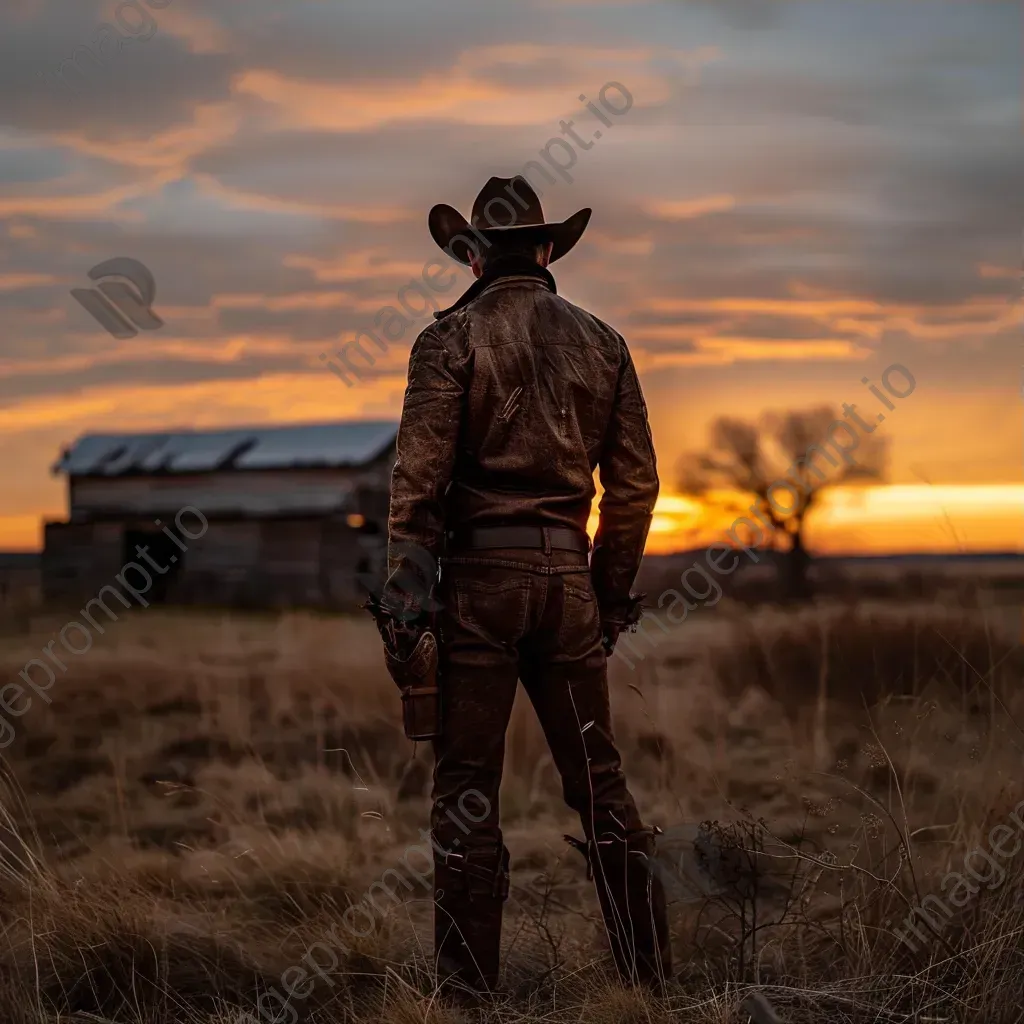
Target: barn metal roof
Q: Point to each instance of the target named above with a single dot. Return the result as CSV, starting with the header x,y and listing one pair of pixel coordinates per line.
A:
x,y
347,443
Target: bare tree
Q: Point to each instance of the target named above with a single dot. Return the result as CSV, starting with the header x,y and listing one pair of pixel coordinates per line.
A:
x,y
762,469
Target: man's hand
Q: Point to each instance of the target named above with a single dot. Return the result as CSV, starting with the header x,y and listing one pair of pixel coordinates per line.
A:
x,y
609,636
623,615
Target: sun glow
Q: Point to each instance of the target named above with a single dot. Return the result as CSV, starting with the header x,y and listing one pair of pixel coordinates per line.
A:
x,y
899,518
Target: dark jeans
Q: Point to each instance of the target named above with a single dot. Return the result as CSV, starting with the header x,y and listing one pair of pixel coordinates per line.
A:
x,y
522,614
531,616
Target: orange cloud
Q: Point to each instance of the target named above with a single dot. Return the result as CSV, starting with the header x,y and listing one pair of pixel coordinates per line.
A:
x,y
356,266
868,319
295,301
272,398
723,351
782,307
622,245
234,348
462,93
360,212
16,282
688,209
776,348
74,207
993,272
202,35
169,151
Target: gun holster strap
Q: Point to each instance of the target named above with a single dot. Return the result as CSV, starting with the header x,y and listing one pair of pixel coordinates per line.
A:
x,y
478,873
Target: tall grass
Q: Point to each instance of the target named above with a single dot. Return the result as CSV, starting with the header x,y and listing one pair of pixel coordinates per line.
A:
x,y
204,797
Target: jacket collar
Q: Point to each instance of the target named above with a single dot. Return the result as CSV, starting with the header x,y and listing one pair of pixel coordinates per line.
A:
x,y
509,266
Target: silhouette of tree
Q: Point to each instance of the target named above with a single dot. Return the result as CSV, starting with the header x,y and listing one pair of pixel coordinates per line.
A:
x,y
775,470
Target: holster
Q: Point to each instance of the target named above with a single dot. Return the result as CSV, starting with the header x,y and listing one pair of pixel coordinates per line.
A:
x,y
412,660
417,678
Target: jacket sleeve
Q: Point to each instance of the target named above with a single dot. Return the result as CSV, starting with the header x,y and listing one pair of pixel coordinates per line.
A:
x,y
427,440
629,477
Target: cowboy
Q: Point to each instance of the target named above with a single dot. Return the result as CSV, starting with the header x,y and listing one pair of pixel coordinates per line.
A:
x,y
515,396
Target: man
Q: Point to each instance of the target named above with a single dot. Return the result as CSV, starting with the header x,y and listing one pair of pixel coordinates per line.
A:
x,y
514,397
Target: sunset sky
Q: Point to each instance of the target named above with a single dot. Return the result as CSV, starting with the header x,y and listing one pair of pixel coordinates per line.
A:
x,y
802,193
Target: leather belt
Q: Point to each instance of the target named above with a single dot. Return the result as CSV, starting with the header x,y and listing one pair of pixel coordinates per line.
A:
x,y
543,538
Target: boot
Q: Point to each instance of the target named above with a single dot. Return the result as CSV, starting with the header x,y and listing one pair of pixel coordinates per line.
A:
x,y
470,890
632,899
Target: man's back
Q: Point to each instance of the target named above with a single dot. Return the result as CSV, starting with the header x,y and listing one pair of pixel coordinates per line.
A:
x,y
515,396
539,393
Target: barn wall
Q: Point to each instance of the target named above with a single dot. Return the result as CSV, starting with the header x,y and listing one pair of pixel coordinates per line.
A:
x,y
20,580
275,563
350,563
221,566
290,560
80,558
268,492
274,538
268,563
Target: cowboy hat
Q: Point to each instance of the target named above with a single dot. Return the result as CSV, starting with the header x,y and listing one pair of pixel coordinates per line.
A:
x,y
505,207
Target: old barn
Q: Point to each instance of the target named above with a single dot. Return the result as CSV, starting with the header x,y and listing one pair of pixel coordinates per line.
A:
x,y
295,514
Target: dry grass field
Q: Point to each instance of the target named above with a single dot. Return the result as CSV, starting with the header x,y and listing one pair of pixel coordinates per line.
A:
x,y
205,796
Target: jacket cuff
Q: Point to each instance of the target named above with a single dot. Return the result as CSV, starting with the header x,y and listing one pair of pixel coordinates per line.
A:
x,y
615,562
623,614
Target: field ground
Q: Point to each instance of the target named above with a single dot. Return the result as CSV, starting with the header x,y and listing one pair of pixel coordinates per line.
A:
x,y
206,794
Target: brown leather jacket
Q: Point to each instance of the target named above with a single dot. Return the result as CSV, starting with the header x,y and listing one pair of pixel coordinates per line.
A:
x,y
515,396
